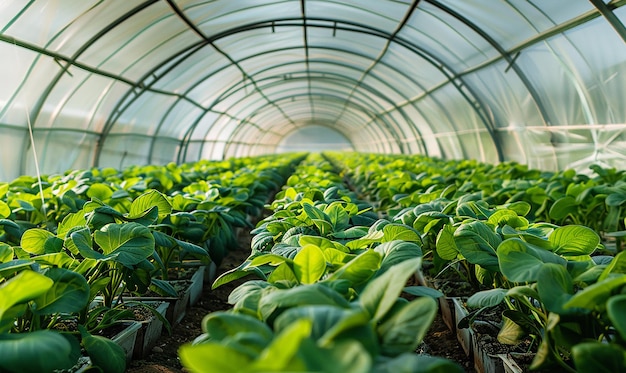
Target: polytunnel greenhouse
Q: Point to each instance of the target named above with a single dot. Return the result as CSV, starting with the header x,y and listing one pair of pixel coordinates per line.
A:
x,y
313,185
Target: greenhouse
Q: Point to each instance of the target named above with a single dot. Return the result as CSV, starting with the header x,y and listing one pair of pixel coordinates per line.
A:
x,y
313,185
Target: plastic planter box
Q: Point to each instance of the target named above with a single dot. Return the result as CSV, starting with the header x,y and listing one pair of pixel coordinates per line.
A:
x,y
150,331
126,338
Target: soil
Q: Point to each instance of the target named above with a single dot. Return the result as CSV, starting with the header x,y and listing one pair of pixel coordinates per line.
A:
x,y
439,341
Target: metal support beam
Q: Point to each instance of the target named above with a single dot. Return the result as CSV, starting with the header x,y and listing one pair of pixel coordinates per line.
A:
x,y
607,12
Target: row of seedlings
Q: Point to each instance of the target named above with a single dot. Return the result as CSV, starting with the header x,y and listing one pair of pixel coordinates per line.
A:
x,y
75,249
327,294
560,293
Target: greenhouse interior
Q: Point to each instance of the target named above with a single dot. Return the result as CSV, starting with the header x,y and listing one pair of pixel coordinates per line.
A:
x,y
313,185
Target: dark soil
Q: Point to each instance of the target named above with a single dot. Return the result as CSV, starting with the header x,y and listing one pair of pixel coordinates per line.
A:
x,y
439,341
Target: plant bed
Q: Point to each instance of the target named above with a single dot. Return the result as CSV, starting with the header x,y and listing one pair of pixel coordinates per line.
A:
x,y
177,306
446,304
463,335
489,354
164,356
150,331
126,338
196,286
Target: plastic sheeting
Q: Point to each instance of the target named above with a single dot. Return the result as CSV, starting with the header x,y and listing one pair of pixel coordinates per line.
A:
x,y
114,83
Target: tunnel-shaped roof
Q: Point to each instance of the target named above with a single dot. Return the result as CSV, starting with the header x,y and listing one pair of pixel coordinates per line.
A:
x,y
113,83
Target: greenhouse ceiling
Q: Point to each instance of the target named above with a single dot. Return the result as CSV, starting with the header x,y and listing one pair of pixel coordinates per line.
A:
x,y
113,83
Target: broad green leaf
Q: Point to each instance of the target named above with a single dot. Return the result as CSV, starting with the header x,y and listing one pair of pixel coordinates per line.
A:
x,y
502,217
555,287
591,275
392,232
521,208
427,221
446,245
80,241
487,298
11,228
283,273
213,357
345,356
69,294
403,330
523,294
325,228
148,200
6,253
350,233
35,352
309,264
220,325
321,242
510,333
395,252
13,266
339,218
616,310
381,293
596,357
100,191
26,205
102,215
414,363
161,287
366,240
335,257
563,207
61,260
521,261
617,265
477,242
299,296
319,218
573,240
271,259
105,354
128,243
483,275
594,297
616,199
423,291
190,249
69,223
359,269
248,287
24,287
5,210
40,241
279,355
331,324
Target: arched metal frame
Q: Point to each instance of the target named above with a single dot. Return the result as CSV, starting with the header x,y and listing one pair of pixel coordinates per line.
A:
x,y
361,97
441,66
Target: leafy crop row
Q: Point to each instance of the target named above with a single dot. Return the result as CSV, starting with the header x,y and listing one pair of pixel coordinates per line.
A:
x,y
328,294
74,246
527,239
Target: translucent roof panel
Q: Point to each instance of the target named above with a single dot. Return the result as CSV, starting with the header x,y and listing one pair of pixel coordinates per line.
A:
x,y
118,83
446,37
